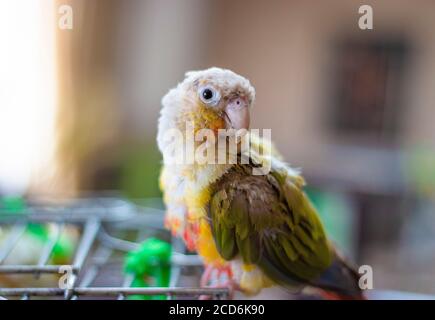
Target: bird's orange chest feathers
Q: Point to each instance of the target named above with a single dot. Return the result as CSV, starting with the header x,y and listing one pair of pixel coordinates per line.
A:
x,y
198,235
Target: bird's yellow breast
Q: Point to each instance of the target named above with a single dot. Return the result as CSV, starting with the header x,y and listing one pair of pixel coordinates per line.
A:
x,y
196,203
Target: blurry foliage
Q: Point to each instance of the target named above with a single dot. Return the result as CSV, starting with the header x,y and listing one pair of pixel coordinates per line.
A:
x,y
140,170
420,169
338,217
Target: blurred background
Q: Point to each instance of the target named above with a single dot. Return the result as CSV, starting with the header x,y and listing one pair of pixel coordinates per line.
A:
x,y
353,108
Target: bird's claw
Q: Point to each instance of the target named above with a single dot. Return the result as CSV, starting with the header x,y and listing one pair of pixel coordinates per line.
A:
x,y
212,278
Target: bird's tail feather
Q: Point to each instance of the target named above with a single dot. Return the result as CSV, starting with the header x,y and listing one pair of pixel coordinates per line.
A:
x,y
340,281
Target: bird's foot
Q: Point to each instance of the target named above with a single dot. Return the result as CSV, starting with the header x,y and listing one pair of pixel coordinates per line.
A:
x,y
213,275
206,276
218,277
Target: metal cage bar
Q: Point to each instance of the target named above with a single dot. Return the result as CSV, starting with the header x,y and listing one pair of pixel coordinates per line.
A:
x,y
96,248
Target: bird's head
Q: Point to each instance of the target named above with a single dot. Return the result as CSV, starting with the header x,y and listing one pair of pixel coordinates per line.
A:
x,y
210,99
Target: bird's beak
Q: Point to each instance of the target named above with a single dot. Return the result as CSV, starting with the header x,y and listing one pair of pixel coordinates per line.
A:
x,y
237,114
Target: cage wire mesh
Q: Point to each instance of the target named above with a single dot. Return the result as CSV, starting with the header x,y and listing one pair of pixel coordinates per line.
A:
x,y
97,234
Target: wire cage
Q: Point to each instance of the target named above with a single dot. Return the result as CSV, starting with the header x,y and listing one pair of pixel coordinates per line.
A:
x,y
104,231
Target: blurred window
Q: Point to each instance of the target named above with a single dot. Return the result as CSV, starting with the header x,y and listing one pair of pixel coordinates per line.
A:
x,y
368,89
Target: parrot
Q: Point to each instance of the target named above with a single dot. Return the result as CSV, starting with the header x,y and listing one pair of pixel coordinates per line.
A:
x,y
258,230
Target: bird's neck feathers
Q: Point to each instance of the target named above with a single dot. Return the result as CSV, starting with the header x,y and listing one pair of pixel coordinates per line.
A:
x,y
198,176
177,113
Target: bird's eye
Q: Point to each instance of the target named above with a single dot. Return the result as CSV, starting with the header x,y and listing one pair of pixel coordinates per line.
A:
x,y
209,95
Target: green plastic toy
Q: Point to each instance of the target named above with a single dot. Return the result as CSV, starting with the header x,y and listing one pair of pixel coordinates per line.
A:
x,y
150,266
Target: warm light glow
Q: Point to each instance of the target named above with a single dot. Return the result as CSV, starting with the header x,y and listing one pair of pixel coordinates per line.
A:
x,y
27,90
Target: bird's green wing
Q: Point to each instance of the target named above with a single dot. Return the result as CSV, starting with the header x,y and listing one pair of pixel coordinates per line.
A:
x,y
268,221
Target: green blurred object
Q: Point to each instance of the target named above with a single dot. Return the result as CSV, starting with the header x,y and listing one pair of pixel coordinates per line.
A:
x,y
62,250
12,204
150,262
64,247
338,217
420,171
140,170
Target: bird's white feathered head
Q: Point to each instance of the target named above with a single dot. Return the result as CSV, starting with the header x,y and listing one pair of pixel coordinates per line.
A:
x,y
213,99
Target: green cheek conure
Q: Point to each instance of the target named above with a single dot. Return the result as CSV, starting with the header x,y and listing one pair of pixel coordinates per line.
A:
x,y
252,229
